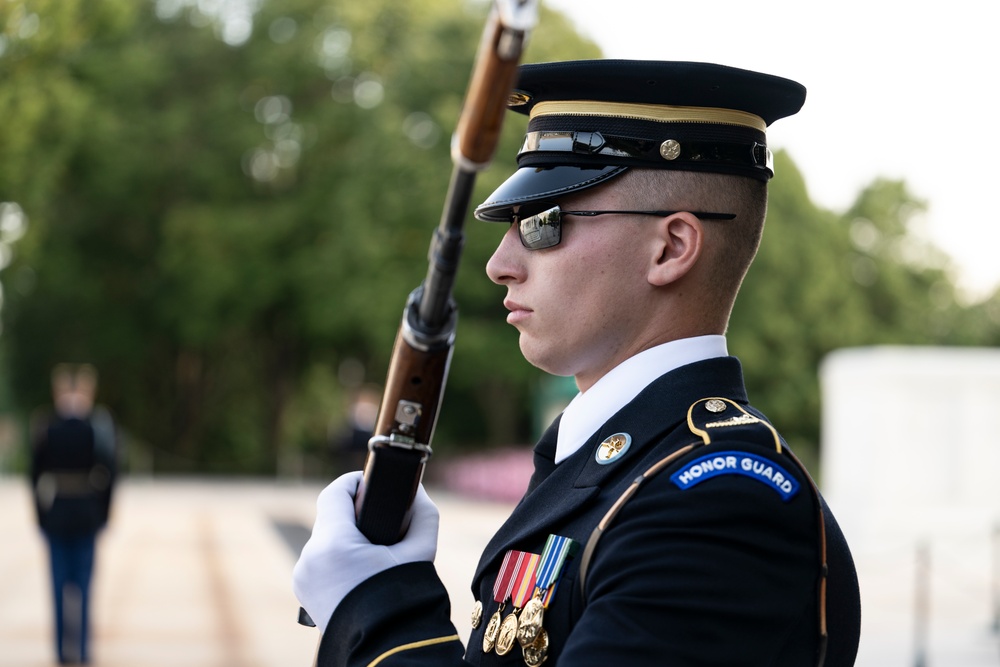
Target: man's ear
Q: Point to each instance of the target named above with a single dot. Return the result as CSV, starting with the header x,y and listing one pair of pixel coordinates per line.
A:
x,y
679,242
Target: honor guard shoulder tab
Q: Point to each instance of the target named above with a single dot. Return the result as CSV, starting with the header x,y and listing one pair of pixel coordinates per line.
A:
x,y
709,418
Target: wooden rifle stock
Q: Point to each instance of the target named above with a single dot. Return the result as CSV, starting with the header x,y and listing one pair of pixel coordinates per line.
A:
x,y
418,369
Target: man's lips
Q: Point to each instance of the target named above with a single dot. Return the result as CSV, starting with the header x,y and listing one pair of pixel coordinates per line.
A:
x,y
517,311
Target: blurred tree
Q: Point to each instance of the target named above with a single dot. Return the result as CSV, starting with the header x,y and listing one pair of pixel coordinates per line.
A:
x,y
225,207
224,211
981,323
823,281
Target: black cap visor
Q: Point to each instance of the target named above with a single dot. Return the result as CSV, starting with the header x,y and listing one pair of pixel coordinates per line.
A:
x,y
532,184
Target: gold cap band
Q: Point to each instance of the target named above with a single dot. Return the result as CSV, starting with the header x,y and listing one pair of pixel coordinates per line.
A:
x,y
653,112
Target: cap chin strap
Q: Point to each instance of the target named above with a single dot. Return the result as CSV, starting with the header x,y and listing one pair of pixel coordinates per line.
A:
x,y
658,154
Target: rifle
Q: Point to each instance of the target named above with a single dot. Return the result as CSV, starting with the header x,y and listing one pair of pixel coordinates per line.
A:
x,y
418,369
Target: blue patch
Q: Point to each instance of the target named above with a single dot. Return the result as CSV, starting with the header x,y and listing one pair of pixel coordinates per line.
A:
x,y
737,463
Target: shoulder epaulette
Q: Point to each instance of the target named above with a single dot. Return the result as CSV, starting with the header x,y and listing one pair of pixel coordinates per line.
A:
x,y
707,418
710,416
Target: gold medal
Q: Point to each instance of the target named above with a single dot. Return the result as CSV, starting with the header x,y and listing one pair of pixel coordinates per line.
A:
x,y
502,588
492,630
477,614
531,621
508,633
514,583
536,652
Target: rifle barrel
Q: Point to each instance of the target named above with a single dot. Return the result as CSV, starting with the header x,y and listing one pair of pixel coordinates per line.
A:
x,y
444,254
418,370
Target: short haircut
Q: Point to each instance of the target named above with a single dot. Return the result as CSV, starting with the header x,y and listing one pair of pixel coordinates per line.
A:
x,y
732,244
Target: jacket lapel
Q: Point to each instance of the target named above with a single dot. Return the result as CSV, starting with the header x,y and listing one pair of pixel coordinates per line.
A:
x,y
554,496
545,454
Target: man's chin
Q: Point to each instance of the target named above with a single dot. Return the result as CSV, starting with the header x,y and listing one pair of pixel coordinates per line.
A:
x,y
544,358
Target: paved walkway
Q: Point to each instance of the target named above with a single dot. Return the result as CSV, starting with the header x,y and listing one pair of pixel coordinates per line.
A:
x,y
197,573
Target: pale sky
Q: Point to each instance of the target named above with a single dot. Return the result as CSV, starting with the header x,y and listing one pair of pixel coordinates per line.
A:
x,y
896,89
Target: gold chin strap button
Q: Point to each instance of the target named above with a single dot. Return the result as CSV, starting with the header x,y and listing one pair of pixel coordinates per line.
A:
x,y
670,149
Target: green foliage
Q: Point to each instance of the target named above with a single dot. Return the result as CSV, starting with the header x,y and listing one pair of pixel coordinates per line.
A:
x,y
823,281
221,218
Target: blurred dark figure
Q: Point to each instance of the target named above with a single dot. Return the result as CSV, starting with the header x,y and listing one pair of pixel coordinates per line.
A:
x,y
350,444
73,468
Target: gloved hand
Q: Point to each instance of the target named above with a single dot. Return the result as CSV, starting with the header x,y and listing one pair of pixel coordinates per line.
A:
x,y
338,556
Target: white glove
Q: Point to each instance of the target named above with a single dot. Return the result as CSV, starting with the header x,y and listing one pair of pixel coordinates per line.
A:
x,y
338,556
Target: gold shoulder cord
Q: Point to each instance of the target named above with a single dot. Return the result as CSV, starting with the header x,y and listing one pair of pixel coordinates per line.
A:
x,y
744,418
414,645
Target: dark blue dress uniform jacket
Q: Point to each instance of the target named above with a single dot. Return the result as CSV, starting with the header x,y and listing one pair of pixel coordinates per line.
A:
x,y
73,450
725,572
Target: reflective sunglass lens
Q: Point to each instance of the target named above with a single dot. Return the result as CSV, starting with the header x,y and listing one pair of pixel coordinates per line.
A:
x,y
542,230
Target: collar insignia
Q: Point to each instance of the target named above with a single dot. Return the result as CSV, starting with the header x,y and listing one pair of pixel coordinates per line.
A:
x,y
612,448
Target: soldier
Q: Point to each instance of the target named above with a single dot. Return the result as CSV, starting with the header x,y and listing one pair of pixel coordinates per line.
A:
x,y
73,469
666,522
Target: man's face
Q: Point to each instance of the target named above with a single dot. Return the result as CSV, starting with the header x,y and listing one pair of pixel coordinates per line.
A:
x,y
581,307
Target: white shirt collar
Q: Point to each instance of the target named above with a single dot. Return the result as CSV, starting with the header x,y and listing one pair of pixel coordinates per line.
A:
x,y
589,410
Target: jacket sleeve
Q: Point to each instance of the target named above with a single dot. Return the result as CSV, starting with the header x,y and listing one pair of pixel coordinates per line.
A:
x,y
722,573
38,438
105,458
398,618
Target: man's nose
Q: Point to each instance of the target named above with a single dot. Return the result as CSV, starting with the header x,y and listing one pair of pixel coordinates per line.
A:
x,y
505,265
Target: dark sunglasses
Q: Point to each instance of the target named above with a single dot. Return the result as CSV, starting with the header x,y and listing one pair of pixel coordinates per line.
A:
x,y
544,230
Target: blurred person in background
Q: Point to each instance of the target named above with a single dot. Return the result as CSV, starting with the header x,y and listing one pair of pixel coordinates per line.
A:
x,y
349,444
73,469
